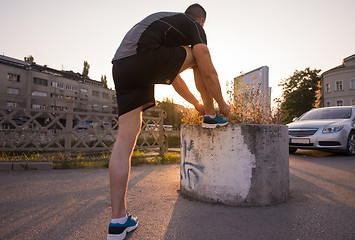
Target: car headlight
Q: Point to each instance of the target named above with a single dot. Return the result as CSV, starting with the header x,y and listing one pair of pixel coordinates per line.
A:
x,y
332,129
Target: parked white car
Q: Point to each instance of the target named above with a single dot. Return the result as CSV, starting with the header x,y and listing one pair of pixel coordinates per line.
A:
x,y
329,128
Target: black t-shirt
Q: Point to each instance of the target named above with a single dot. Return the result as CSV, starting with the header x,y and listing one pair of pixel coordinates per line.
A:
x,y
162,28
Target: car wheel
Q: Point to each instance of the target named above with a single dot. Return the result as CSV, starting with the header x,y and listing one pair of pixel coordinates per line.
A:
x,y
292,150
350,148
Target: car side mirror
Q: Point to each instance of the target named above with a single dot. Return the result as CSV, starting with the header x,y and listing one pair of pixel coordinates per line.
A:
x,y
295,119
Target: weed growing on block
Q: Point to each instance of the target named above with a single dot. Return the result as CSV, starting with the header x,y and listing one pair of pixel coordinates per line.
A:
x,y
249,105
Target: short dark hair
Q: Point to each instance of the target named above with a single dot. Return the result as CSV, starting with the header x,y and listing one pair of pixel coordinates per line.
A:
x,y
196,11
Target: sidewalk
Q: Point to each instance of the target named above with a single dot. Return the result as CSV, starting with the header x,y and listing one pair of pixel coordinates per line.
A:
x,y
75,204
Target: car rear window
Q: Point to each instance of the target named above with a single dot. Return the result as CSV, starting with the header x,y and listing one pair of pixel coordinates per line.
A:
x,y
327,113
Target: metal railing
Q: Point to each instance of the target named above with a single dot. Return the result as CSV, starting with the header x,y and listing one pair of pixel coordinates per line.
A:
x,y
69,131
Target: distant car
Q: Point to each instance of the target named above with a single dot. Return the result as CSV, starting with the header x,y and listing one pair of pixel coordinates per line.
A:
x,y
83,128
329,128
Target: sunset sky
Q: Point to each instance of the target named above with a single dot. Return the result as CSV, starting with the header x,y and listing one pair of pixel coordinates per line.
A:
x,y
242,34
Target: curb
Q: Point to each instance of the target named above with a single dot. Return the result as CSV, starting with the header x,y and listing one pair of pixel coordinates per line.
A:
x,y
18,166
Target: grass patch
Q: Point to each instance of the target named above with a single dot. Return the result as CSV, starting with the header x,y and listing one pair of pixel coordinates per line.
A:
x,y
28,156
83,161
92,160
80,164
169,158
141,158
174,141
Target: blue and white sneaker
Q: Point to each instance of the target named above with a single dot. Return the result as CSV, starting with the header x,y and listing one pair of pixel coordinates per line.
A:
x,y
118,231
217,121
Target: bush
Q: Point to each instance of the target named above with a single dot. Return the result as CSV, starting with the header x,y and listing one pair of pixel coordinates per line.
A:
x,y
249,105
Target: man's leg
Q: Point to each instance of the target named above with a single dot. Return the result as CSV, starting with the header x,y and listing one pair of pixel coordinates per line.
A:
x,y
206,97
120,162
211,118
190,62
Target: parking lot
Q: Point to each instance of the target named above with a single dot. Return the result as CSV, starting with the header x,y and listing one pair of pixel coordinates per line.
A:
x,y
75,204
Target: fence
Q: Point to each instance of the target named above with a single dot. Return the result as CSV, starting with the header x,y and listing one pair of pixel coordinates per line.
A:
x,y
69,131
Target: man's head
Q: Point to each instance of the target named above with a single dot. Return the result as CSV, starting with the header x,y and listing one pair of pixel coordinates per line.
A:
x,y
197,13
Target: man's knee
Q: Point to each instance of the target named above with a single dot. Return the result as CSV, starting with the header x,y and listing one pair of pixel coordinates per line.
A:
x,y
190,61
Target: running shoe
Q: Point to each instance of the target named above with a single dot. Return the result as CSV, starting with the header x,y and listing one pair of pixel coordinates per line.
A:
x,y
118,231
217,121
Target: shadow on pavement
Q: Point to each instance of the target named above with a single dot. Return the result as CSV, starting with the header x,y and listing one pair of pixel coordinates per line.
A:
x,y
321,206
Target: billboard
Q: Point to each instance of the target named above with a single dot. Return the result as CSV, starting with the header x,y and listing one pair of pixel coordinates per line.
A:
x,y
260,74
254,77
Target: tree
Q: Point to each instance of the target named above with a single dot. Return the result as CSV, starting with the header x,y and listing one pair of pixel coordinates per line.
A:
x,y
299,93
86,69
104,80
29,59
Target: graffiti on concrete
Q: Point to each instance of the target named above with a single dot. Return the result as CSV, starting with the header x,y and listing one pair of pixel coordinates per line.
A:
x,y
189,169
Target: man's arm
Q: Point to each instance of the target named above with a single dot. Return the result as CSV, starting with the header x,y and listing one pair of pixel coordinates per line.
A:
x,y
209,75
182,89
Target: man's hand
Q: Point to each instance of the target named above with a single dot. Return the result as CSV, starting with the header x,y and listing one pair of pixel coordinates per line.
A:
x,y
182,89
200,108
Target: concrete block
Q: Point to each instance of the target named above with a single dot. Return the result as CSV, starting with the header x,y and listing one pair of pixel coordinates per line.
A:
x,y
237,165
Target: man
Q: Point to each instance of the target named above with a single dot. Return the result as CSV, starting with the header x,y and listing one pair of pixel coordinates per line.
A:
x,y
155,51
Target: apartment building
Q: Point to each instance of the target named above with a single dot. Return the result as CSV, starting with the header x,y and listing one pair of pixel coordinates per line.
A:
x,y
32,86
338,84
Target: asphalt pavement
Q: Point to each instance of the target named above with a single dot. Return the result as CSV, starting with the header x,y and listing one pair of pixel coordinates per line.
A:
x,y
75,204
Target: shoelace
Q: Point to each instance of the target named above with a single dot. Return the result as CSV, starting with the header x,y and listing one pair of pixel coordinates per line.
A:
x,y
218,115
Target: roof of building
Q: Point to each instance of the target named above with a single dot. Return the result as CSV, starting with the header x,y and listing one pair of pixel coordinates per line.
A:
x,y
44,69
257,69
342,66
13,61
352,57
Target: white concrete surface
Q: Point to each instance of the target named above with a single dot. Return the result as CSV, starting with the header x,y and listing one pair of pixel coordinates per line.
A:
x,y
235,165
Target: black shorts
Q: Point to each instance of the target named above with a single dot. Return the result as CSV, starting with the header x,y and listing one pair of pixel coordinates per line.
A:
x,y
135,76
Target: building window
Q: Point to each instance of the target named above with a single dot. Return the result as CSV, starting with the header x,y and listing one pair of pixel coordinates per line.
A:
x,y
39,94
13,91
53,95
12,105
13,77
352,83
327,87
105,95
339,102
353,102
37,106
95,93
40,81
105,108
84,91
58,108
58,85
70,97
338,85
72,88
327,104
